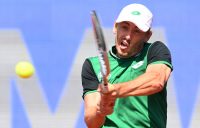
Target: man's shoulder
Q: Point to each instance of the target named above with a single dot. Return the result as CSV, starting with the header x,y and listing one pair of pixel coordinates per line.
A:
x,y
92,58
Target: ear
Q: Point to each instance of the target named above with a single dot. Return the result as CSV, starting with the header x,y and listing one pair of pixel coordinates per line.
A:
x,y
115,28
148,35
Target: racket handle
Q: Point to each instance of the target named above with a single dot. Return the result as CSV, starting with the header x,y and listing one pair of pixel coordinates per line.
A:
x,y
105,81
104,85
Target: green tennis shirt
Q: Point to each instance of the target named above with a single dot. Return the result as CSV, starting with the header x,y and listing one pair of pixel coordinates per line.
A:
x,y
134,111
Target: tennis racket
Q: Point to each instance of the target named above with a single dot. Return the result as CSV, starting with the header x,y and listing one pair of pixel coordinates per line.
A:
x,y
101,47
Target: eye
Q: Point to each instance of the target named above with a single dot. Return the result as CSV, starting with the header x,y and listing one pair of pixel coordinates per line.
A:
x,y
124,27
137,31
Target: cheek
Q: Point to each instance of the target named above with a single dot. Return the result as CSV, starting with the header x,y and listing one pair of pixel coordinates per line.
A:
x,y
117,38
120,36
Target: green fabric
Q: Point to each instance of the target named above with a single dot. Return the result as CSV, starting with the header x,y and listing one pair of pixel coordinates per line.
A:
x,y
133,111
163,62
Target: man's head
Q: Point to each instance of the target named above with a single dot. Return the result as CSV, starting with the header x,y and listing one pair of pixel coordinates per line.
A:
x,y
132,29
138,14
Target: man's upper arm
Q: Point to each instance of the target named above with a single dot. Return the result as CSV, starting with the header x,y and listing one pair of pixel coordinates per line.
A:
x,y
162,69
159,61
91,100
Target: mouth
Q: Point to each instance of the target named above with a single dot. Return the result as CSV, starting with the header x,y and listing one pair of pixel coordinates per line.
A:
x,y
124,45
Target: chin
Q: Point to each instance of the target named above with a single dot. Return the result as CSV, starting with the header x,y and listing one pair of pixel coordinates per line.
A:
x,y
122,54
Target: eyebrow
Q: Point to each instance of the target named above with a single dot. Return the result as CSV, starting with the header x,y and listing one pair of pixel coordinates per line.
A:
x,y
129,23
126,22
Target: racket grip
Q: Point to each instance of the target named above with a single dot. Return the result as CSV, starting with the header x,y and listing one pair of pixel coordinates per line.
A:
x,y
105,81
104,86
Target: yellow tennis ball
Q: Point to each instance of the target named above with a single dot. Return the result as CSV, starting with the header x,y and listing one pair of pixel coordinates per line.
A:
x,y
24,69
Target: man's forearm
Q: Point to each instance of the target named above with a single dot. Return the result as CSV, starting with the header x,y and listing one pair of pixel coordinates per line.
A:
x,y
93,118
95,121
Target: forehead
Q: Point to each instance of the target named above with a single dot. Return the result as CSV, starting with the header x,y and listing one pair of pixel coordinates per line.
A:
x,y
130,24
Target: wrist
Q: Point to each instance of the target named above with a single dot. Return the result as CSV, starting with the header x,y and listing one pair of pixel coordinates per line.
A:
x,y
100,114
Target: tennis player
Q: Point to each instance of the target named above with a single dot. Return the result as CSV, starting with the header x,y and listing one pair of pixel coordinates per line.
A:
x,y
136,93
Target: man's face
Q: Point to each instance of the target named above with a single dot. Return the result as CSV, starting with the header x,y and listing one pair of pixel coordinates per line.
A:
x,y
129,39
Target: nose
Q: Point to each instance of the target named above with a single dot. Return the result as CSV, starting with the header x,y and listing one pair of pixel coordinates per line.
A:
x,y
128,36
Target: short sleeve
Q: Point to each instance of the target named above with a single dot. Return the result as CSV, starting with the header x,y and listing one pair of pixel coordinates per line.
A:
x,y
159,53
89,79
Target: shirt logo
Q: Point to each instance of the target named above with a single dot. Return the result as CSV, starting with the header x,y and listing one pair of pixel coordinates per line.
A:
x,y
137,65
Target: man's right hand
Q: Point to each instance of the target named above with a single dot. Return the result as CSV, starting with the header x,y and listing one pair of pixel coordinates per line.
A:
x,y
107,100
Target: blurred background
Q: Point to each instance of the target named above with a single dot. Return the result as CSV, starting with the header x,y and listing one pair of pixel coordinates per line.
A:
x,y
56,37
